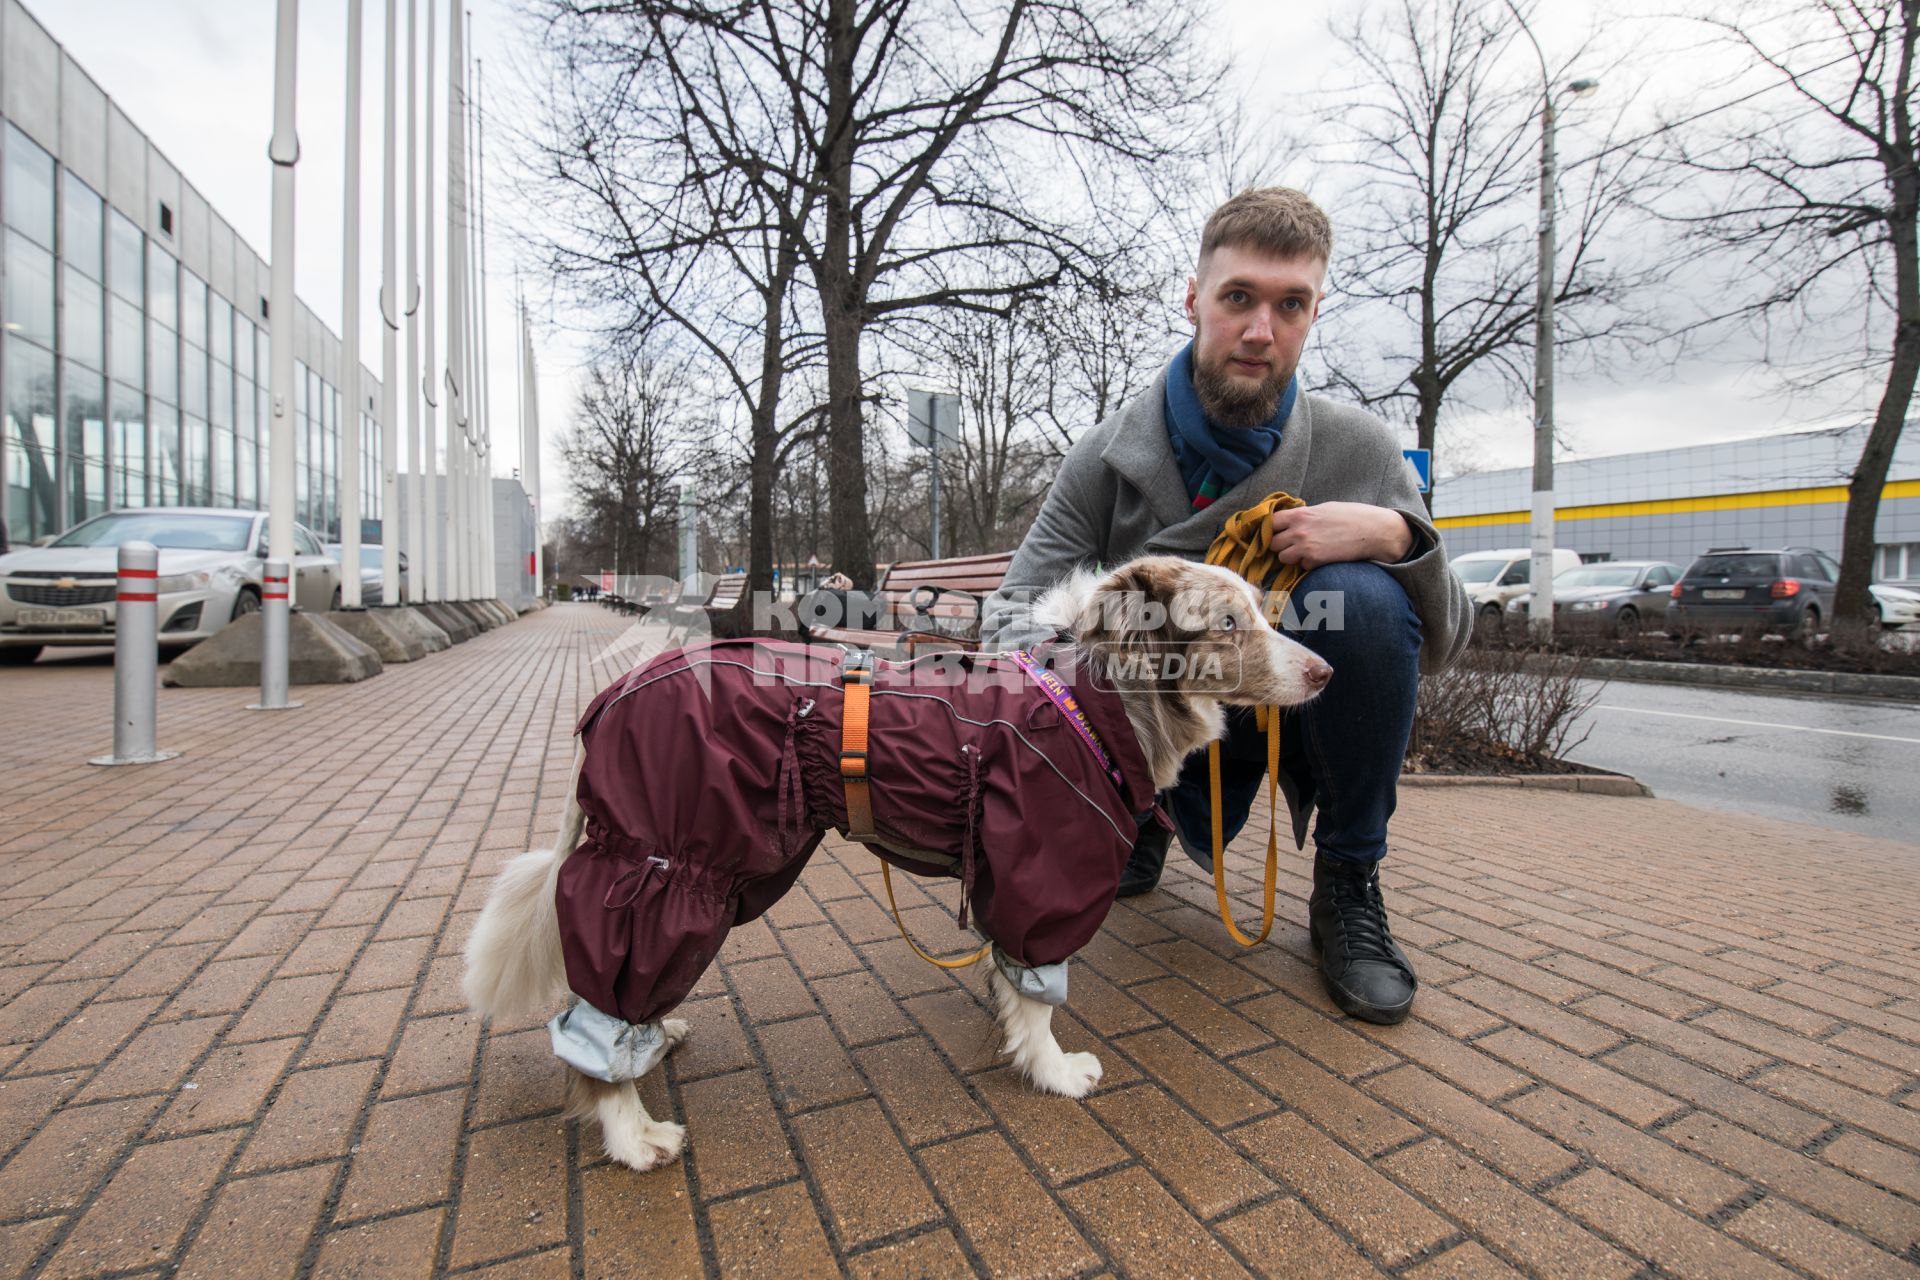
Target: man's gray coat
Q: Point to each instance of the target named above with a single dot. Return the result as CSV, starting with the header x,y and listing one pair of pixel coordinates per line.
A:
x,y
1119,495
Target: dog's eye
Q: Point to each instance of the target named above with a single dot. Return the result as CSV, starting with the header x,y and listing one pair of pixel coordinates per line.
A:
x,y
1227,623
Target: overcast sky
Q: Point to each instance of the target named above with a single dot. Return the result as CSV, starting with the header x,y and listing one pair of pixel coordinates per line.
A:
x,y
196,75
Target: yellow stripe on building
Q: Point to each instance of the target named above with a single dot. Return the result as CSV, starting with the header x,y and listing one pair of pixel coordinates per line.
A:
x,y
1671,506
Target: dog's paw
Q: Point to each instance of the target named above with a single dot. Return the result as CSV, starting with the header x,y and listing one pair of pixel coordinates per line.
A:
x,y
675,1030
645,1146
1071,1075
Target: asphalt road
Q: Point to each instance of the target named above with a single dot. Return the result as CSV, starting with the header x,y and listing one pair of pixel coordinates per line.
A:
x,y
1841,762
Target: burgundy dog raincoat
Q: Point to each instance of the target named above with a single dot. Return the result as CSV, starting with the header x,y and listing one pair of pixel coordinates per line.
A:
x,y
712,771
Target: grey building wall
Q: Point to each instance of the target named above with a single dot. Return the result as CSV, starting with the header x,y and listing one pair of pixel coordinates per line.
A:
x,y
1672,504
513,536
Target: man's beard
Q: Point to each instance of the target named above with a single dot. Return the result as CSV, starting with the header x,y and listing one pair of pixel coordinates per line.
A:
x,y
1232,402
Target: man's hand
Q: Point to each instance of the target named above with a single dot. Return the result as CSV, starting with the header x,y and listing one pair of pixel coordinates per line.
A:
x,y
1337,532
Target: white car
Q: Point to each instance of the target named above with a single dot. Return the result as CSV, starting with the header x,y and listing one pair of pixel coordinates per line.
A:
x,y
211,563
1494,577
1899,602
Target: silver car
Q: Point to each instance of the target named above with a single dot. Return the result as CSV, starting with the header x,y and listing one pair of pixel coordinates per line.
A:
x,y
211,563
1613,597
372,580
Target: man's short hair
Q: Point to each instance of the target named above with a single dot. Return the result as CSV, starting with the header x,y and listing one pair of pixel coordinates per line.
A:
x,y
1277,221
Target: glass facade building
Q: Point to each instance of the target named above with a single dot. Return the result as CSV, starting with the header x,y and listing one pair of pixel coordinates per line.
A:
x,y
133,325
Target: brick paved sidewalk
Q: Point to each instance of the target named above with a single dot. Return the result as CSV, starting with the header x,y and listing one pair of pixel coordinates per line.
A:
x,y
1651,1041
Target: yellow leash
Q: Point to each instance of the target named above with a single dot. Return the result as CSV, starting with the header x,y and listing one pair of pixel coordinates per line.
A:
x,y
1245,545
886,877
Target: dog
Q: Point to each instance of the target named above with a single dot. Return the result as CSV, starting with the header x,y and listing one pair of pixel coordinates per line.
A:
x,y
1163,646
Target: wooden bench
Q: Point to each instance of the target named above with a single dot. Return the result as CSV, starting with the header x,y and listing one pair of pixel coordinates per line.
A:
x,y
927,605
727,591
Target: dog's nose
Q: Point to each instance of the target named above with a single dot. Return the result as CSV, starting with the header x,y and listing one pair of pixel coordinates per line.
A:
x,y
1317,675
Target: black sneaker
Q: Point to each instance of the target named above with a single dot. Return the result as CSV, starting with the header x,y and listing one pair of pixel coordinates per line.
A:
x,y
1366,972
1148,859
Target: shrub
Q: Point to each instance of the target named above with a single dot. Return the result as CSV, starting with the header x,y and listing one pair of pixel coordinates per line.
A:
x,y
1502,708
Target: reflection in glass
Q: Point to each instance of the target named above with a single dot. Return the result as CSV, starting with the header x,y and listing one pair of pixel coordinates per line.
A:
x,y
31,493
163,287
83,213
126,258
126,350
29,188
29,291
166,453
86,443
82,326
129,447
194,451
164,355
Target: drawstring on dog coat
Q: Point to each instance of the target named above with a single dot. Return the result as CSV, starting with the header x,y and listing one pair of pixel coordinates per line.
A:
x,y
1245,545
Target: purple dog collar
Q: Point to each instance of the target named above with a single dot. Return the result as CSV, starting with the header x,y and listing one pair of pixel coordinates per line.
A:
x,y
1062,697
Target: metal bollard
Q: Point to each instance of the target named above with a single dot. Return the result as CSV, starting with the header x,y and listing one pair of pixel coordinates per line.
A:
x,y
136,658
274,611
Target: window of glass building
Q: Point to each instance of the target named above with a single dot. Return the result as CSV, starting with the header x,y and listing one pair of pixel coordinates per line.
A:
x,y
164,422
246,490
222,467
128,412
193,309
163,367
127,258
193,379
29,289
163,287
82,324
85,454
83,212
243,348
32,498
126,347
220,329
195,448
29,188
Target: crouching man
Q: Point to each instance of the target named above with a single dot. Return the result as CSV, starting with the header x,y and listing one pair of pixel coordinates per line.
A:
x,y
1225,425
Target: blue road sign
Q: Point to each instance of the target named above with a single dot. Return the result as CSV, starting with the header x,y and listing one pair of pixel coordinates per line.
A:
x,y
1421,460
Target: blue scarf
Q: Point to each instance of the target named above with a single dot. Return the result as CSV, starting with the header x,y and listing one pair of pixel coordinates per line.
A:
x,y
1214,459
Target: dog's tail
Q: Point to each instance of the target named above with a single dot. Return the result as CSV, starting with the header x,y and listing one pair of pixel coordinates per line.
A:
x,y
514,962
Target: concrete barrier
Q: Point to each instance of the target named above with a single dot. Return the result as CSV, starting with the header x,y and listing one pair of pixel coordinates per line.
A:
x,y
380,633
318,652
419,626
457,625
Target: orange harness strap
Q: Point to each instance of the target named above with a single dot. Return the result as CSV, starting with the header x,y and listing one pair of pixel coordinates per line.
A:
x,y
856,681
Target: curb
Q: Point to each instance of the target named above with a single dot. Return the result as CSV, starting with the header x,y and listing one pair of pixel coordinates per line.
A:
x,y
1762,679
1593,784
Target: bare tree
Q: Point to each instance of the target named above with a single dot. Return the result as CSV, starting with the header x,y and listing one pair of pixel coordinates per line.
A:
x,y
1813,193
932,134
652,236
620,454
1437,268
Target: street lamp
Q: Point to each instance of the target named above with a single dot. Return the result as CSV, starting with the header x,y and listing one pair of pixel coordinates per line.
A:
x,y
1540,606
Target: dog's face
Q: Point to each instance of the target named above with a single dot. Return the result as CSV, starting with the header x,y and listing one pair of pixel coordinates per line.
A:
x,y
1162,624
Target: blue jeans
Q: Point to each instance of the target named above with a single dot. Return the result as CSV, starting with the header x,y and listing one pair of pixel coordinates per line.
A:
x,y
1344,749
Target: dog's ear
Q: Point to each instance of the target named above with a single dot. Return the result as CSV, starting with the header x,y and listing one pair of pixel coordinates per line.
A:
x,y
1136,612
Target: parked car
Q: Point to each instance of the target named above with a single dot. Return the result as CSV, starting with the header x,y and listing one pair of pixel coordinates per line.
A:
x,y
1898,602
211,563
1494,577
1786,590
1618,597
372,581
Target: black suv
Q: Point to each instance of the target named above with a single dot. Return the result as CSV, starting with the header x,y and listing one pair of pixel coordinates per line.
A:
x,y
1790,591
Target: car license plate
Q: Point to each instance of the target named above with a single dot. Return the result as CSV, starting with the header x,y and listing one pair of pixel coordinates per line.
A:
x,y
1723,595
62,617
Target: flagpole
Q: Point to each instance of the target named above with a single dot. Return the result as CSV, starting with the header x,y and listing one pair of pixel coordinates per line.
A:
x,y
352,434
389,333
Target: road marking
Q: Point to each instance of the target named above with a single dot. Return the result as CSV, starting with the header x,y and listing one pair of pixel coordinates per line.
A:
x,y
1757,724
